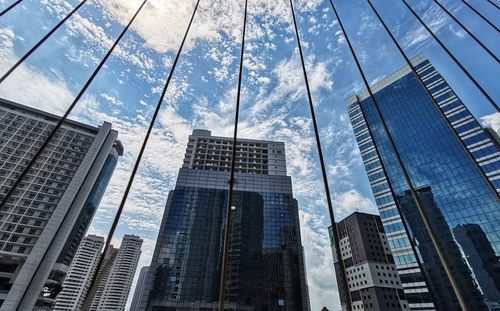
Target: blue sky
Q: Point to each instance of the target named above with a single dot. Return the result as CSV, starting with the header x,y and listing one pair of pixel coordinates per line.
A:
x,y
202,92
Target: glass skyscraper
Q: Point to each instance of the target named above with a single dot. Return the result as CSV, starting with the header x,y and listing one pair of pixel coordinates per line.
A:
x,y
265,257
453,165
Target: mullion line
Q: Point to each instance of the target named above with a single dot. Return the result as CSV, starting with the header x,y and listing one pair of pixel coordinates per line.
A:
x,y
62,119
466,30
10,7
143,147
70,109
41,41
406,176
233,164
457,62
414,70
480,15
322,164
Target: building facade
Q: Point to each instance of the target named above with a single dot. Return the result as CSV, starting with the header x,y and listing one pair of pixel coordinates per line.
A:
x,y
453,167
265,256
372,277
79,277
114,287
45,219
139,289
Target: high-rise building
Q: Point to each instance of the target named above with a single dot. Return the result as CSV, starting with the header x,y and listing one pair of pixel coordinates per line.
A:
x,y
452,178
265,257
372,278
114,287
45,219
139,289
80,274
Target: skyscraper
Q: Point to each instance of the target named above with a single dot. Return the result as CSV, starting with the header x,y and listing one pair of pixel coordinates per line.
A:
x,y
80,274
45,219
139,289
452,171
114,287
372,278
265,257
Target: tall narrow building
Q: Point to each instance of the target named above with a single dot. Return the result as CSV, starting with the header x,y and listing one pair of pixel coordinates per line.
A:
x,y
43,222
446,187
265,256
372,278
139,289
114,288
78,280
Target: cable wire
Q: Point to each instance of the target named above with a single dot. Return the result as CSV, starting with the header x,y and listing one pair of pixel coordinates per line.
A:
x,y
494,4
68,111
406,176
466,30
322,164
41,41
143,147
457,62
10,7
481,15
233,164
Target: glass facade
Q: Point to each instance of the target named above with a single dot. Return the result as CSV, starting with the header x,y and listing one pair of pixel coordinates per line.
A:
x,y
452,183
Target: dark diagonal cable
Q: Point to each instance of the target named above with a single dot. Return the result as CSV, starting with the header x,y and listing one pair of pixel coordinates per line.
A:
x,y
494,4
70,109
466,30
457,62
39,43
414,70
322,164
64,117
406,176
10,7
233,164
481,15
144,144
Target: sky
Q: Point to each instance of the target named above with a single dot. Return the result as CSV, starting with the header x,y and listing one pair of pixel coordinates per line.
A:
x,y
202,93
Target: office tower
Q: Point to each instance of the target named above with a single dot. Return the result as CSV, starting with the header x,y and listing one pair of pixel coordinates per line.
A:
x,y
80,274
45,219
453,166
114,287
265,257
372,278
139,289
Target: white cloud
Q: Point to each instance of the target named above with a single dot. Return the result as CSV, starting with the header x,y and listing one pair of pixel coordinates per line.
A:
x,y
352,201
492,120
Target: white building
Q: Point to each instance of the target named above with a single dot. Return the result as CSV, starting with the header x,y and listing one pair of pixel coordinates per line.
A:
x,y
139,289
82,269
115,286
45,219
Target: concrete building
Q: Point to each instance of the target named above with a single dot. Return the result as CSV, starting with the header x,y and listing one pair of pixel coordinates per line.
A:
x,y
372,277
265,258
449,179
45,219
114,287
139,289
78,280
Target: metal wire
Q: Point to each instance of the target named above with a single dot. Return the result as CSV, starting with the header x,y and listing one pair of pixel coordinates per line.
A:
x,y
494,4
406,176
322,164
39,43
466,30
10,7
233,164
457,62
68,111
480,15
143,147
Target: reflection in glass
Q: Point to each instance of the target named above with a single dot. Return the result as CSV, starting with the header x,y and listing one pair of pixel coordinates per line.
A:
x,y
444,149
265,266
